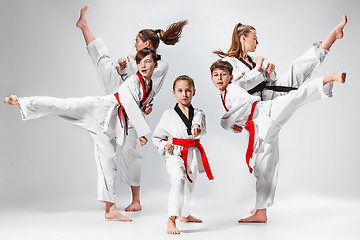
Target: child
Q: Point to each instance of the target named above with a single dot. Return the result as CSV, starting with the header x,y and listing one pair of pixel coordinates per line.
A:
x,y
261,81
257,80
185,156
113,76
106,120
264,120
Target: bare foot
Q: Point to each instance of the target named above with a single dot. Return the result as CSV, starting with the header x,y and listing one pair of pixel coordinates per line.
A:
x,y
335,77
12,100
190,219
339,28
133,207
112,213
258,217
82,22
171,226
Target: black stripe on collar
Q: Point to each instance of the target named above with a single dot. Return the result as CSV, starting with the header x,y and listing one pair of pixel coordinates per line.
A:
x,y
187,121
248,65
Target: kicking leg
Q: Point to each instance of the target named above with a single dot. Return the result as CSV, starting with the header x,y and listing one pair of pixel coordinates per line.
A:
x,y
83,24
335,77
335,34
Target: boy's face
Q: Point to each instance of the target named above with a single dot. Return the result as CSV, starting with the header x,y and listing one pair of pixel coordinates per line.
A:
x,y
146,67
221,78
184,92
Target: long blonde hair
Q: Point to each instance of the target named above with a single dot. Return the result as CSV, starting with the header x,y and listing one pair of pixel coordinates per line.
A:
x,y
236,48
170,37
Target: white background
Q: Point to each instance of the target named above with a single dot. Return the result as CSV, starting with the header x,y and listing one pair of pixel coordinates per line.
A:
x,y
47,165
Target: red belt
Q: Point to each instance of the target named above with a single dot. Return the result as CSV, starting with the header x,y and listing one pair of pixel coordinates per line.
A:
x,y
122,110
250,126
186,143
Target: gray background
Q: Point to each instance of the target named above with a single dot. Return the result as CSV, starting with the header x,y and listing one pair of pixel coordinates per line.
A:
x,y
49,164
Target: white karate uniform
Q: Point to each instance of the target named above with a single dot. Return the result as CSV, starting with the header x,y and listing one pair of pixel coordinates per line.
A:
x,y
112,77
269,117
98,115
171,126
303,66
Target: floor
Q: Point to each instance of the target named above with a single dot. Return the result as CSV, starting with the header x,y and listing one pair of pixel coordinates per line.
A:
x,y
311,218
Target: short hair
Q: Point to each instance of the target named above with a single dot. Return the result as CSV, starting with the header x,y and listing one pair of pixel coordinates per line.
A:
x,y
185,78
223,65
143,53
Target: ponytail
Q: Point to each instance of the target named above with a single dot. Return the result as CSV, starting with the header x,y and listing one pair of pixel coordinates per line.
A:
x,y
170,37
236,48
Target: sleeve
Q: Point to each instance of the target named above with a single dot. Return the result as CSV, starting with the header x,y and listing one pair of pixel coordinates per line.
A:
x,y
129,98
131,69
159,75
105,67
199,118
237,112
161,135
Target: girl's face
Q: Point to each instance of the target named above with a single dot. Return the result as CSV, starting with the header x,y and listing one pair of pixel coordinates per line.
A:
x,y
249,42
140,44
184,92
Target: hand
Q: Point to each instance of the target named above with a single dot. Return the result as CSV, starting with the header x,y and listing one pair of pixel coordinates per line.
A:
x,y
237,129
259,62
147,109
269,69
122,63
129,57
169,147
196,130
12,100
143,140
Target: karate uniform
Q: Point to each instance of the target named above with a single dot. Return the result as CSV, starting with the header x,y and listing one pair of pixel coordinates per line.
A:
x,y
112,77
268,118
174,124
253,80
101,117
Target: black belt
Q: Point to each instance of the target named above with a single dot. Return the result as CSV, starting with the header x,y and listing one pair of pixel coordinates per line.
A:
x,y
261,86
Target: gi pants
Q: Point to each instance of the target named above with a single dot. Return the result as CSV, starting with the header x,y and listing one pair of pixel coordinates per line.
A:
x,y
88,113
280,110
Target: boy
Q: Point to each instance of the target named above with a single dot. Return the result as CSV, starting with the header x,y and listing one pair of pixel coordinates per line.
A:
x,y
185,155
264,120
106,119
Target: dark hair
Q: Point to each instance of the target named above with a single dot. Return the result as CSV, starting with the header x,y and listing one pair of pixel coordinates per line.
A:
x,y
185,78
235,49
143,53
169,37
223,65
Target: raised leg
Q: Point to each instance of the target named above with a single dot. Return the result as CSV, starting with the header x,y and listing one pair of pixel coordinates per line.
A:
x,y
83,24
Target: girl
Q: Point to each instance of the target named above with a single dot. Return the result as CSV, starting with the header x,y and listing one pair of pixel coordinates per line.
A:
x,y
184,156
106,120
113,76
261,81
